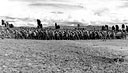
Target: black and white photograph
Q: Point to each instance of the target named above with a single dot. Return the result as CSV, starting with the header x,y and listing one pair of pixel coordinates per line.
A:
x,y
63,36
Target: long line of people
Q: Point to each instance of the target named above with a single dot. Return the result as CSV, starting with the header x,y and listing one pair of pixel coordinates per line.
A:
x,y
63,34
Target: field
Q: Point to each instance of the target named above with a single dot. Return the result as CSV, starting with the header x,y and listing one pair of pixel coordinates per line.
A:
x,y
65,56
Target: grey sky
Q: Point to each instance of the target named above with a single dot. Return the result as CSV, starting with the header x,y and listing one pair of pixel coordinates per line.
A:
x,y
80,10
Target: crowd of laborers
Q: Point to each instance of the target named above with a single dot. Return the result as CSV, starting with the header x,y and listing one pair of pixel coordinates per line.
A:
x,y
41,33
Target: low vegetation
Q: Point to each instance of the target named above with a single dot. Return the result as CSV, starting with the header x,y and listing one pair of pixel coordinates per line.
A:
x,y
36,56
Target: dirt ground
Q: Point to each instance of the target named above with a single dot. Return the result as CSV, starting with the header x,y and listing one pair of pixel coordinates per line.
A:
x,y
63,56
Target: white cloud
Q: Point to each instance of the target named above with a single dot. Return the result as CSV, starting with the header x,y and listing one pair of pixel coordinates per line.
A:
x,y
72,10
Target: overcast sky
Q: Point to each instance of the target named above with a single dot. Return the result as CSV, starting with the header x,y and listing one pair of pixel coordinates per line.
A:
x,y
71,10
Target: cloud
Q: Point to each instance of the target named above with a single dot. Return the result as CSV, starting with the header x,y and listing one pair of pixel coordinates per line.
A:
x,y
124,5
57,12
80,10
57,5
28,0
101,12
41,0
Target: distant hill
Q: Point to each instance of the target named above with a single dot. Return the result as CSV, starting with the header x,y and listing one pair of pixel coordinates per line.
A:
x,y
31,22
